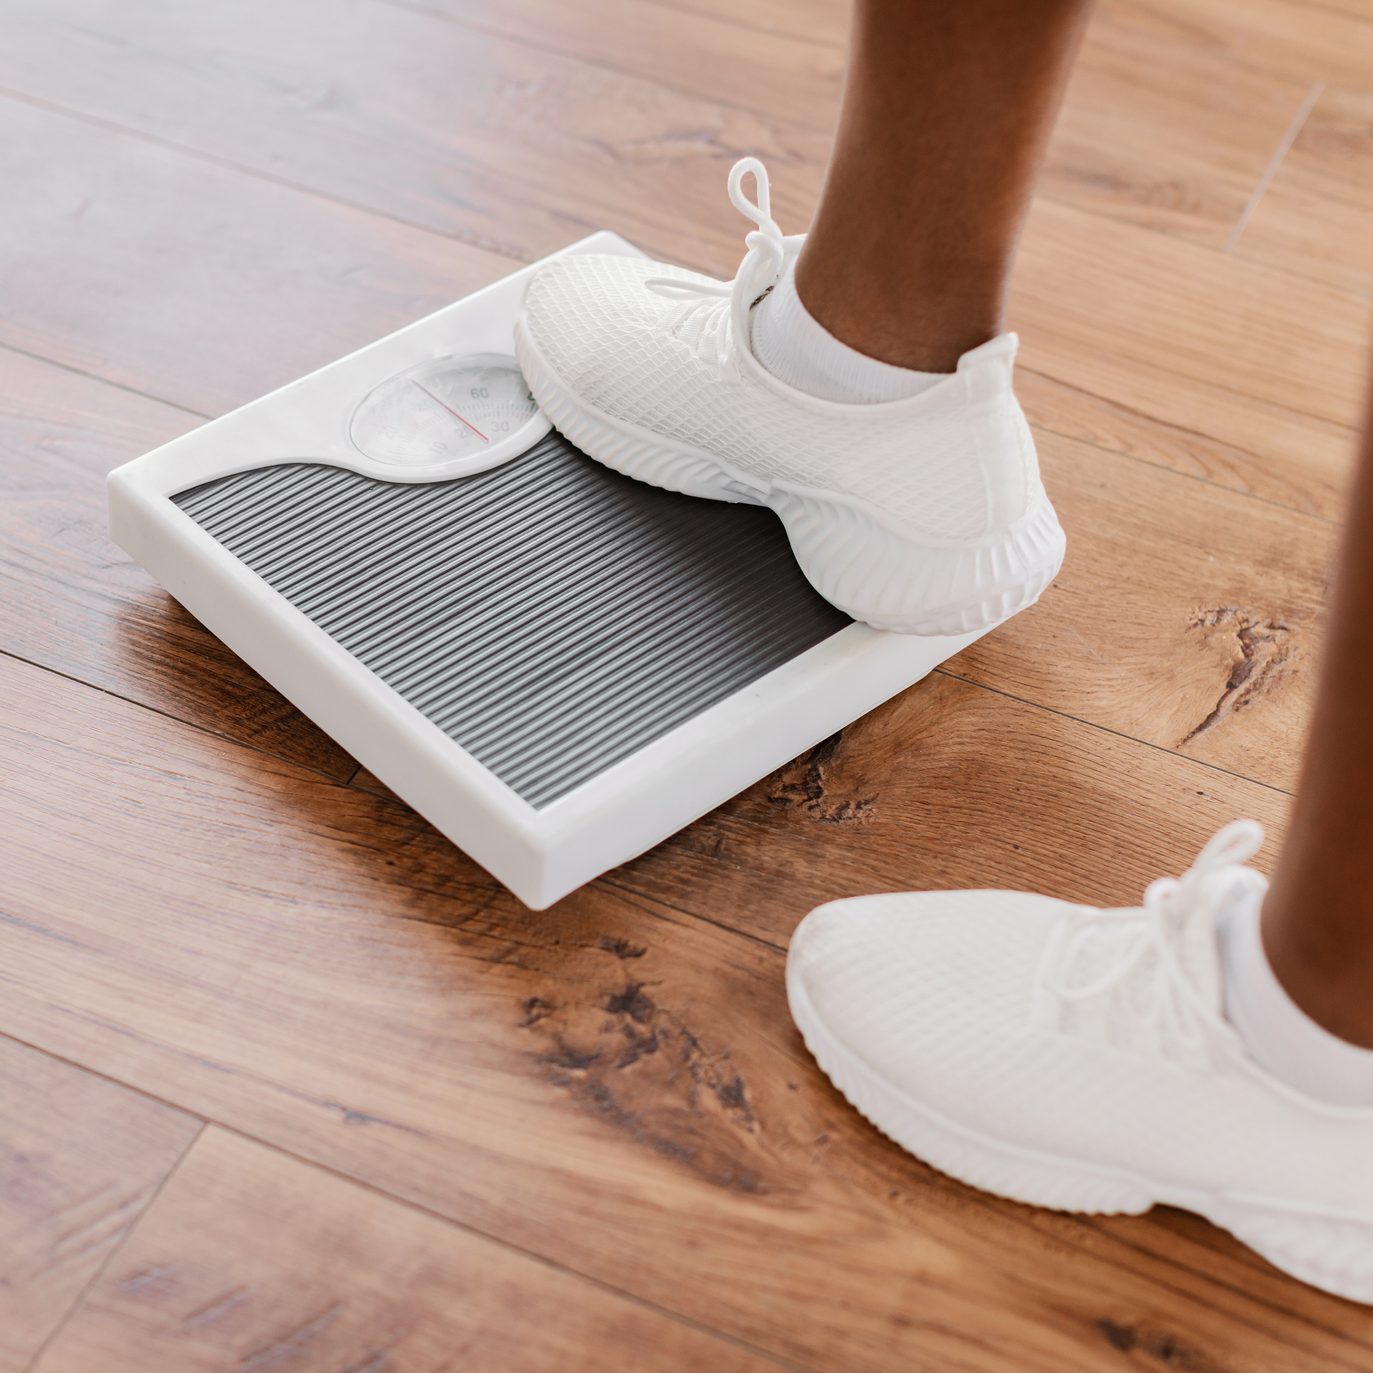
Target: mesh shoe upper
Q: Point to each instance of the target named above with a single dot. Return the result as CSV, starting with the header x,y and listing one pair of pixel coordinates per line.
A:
x,y
955,463
923,515
1091,1036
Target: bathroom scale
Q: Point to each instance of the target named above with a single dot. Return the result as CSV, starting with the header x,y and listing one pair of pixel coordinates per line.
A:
x,y
556,665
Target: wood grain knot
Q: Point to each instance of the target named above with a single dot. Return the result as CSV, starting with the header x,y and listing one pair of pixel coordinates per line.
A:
x,y
1260,651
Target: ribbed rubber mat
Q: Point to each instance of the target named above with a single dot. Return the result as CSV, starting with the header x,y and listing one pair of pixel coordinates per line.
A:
x,y
549,615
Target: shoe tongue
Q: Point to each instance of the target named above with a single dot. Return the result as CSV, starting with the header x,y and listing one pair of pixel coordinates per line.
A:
x,y
1224,896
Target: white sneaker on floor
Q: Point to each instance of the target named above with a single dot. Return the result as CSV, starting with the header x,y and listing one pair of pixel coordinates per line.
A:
x,y
1080,1059
924,515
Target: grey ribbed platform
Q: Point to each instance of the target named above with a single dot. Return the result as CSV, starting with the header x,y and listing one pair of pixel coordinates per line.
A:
x,y
549,615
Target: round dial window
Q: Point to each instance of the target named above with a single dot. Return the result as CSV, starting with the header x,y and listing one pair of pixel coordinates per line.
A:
x,y
448,410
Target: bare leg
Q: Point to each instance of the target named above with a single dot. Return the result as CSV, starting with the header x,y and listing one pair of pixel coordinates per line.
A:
x,y
947,109
1318,918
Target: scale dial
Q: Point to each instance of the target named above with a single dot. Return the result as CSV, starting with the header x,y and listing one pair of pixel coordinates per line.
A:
x,y
449,413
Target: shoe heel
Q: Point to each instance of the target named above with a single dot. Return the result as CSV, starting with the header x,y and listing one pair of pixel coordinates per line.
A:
x,y
1329,1252
892,582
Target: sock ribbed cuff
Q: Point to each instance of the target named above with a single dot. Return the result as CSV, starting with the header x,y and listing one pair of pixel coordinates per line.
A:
x,y
797,349
1279,1035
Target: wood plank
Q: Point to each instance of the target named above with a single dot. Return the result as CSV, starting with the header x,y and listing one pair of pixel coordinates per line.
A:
x,y
1296,462
1265,362
1308,40
192,282
77,604
1160,131
947,787
793,72
80,1158
1303,39
821,19
1316,218
415,118
1126,145
610,1084
1185,616
1354,8
1173,111
1187,338
348,1280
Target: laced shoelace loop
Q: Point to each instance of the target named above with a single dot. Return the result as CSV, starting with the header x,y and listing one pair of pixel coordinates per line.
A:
x,y
767,240
1174,1006
763,263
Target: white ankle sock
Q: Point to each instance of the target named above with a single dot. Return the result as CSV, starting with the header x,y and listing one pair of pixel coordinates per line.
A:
x,y
1279,1035
797,349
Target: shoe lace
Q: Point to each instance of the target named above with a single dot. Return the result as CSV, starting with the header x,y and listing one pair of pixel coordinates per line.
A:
x,y
1150,948
714,314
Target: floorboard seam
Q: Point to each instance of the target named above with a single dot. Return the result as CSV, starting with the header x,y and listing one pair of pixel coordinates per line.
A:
x,y
76,371
209,1122
1265,180
945,671
1174,427
228,164
180,720
80,1299
521,257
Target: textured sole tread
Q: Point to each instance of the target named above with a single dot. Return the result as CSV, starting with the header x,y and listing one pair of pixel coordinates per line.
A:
x,y
1333,1254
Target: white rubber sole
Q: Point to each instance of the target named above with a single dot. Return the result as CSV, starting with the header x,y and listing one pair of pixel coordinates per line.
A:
x,y
1331,1253
849,554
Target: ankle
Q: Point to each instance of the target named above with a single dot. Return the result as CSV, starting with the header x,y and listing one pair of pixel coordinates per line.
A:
x,y
1278,1032
1330,985
798,350
924,325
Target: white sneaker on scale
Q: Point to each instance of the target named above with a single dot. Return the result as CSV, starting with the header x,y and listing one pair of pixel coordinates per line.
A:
x,y
1081,1059
924,515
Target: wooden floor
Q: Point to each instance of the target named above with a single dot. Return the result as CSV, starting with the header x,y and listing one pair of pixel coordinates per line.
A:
x,y
286,1082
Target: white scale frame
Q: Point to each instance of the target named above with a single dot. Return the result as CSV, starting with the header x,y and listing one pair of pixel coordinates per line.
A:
x,y
540,854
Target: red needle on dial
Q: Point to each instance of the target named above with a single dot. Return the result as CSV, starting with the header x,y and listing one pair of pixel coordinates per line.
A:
x,y
451,411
